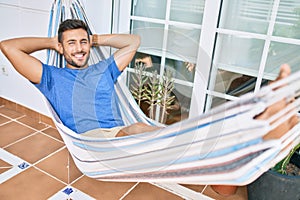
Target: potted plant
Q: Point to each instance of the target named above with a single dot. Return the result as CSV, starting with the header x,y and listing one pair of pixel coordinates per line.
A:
x,y
280,182
154,92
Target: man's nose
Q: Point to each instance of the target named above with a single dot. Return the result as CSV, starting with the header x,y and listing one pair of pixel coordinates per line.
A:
x,y
78,47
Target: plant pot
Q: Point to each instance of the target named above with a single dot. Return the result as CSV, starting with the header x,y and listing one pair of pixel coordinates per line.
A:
x,y
272,185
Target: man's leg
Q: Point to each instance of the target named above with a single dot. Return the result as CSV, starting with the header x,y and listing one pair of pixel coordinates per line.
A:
x,y
279,131
135,129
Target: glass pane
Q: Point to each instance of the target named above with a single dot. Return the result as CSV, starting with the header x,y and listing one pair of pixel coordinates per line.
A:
x,y
251,15
183,43
236,54
234,84
214,101
182,102
182,70
151,36
280,53
190,11
149,8
288,19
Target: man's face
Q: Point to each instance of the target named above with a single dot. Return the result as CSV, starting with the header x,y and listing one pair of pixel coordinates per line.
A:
x,y
76,48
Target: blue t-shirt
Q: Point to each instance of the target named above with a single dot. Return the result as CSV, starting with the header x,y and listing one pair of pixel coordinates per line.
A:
x,y
84,99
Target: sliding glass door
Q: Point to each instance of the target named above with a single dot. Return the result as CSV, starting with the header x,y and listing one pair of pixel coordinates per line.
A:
x,y
215,50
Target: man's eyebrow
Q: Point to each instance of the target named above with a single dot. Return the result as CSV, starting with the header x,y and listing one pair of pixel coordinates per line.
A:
x,y
71,40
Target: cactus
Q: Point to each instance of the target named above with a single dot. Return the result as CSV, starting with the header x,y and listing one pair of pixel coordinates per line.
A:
x,y
166,100
138,89
157,94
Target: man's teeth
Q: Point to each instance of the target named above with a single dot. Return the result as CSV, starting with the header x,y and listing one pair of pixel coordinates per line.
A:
x,y
79,55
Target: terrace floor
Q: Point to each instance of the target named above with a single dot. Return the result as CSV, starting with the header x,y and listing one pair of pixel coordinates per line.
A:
x,y
35,164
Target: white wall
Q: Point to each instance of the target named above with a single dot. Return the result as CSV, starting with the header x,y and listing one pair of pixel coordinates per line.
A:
x,y
21,18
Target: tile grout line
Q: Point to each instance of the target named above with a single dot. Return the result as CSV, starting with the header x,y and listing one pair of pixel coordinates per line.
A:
x,y
9,121
67,184
46,173
13,119
128,191
76,179
6,167
24,115
49,155
27,126
21,139
16,120
40,131
52,137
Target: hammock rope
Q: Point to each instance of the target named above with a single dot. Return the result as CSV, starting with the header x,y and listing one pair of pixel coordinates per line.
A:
x,y
222,146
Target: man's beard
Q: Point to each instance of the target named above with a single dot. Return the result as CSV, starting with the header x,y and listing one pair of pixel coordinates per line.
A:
x,y
74,64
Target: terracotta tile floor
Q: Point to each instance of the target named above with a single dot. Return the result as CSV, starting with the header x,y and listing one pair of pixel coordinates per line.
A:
x,y
35,164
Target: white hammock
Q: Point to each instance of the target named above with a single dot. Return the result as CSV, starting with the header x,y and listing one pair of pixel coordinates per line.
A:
x,y
223,146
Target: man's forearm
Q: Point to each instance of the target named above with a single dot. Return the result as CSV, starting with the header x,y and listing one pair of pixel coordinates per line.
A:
x,y
18,51
28,45
118,41
126,44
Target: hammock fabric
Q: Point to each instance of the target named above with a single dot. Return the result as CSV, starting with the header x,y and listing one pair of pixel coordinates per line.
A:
x,y
223,146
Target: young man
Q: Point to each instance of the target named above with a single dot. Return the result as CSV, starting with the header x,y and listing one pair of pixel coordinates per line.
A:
x,y
83,96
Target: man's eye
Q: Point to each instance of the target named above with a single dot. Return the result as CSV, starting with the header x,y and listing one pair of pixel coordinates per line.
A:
x,y
71,43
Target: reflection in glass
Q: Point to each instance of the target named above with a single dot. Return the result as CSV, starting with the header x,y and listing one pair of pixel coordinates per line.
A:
x,y
182,103
215,101
181,69
149,8
151,35
151,62
234,84
190,11
237,86
280,53
139,85
250,16
288,19
239,54
183,43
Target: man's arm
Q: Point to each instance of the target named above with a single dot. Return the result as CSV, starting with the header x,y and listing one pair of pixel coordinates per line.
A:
x,y
18,52
127,45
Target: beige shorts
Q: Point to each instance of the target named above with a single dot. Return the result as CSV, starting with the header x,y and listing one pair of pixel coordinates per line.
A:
x,y
103,132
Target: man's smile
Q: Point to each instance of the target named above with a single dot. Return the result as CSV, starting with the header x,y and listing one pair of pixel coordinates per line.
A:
x,y
79,56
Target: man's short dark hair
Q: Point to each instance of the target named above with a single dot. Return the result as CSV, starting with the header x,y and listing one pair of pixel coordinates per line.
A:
x,y
71,24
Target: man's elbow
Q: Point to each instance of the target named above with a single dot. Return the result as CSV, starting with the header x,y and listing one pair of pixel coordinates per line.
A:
x,y
3,46
137,42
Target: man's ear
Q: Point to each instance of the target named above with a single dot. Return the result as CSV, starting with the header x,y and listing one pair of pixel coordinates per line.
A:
x,y
60,49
